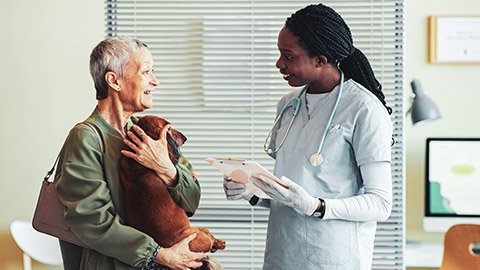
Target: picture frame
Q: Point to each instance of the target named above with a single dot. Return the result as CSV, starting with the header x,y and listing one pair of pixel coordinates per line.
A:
x,y
453,39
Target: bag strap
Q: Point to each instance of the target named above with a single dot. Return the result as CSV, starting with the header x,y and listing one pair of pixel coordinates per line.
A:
x,y
98,135
100,142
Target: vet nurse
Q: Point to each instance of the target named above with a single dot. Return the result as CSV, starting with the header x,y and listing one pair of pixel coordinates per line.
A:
x,y
87,179
335,157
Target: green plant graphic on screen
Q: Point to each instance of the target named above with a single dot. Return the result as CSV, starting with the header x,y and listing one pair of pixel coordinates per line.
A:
x,y
438,204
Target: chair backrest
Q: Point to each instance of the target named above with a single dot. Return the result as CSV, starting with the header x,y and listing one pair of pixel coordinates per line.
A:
x,y
39,246
461,247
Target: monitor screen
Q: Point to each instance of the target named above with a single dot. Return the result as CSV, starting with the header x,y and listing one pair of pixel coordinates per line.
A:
x,y
452,183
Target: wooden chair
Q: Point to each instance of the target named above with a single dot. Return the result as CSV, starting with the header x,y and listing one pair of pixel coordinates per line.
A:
x,y
461,248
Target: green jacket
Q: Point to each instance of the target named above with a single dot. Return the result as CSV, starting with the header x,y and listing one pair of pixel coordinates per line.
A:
x,y
89,186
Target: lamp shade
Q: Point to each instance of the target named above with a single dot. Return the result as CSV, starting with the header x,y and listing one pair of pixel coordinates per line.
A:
x,y
423,108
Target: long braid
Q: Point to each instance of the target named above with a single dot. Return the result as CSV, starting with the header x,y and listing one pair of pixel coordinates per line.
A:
x,y
322,31
358,68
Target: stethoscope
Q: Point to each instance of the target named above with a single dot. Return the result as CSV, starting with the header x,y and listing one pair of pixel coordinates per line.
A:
x,y
317,158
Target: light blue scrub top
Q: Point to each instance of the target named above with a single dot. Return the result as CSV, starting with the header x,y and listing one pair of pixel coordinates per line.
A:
x,y
297,241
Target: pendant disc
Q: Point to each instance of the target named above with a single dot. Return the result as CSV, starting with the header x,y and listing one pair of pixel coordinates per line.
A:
x,y
316,159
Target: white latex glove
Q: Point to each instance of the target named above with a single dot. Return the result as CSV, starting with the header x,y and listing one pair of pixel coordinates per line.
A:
x,y
295,196
235,191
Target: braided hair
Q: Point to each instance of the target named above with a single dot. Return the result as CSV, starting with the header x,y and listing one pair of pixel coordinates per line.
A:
x,y
322,31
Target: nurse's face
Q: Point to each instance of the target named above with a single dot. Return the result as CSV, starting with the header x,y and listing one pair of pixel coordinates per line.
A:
x,y
294,63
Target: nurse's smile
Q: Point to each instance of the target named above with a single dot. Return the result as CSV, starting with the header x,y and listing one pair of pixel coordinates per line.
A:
x,y
287,76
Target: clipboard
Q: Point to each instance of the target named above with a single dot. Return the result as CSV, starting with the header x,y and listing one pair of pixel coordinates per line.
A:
x,y
240,171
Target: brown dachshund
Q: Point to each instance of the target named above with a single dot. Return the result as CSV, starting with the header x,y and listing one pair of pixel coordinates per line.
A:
x,y
149,206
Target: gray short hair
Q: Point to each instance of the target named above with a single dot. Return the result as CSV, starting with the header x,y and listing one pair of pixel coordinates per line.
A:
x,y
111,54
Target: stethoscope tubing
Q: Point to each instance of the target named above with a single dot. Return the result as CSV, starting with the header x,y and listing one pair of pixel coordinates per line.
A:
x,y
295,112
334,110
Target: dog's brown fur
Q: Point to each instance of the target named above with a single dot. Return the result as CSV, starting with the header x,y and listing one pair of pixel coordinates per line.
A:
x,y
149,206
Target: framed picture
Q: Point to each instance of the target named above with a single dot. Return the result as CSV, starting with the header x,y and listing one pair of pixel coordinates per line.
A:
x,y
453,39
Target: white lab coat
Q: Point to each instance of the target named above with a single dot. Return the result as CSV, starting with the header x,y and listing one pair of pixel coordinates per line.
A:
x,y
362,135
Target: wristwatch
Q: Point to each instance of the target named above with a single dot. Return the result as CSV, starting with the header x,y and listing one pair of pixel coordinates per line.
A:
x,y
320,212
254,200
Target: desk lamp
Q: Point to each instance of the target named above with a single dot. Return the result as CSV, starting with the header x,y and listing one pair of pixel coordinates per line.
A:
x,y
423,108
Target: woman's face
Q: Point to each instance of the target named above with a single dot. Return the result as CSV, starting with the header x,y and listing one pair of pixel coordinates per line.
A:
x,y
294,63
138,82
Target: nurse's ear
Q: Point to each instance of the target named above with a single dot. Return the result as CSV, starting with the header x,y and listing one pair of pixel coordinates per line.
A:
x,y
321,60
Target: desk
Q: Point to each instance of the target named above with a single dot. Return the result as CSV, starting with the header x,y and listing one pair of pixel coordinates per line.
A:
x,y
419,254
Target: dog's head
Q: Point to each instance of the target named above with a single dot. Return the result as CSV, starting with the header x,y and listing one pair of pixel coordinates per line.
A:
x,y
153,125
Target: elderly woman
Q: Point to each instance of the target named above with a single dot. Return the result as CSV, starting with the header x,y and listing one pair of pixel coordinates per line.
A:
x,y
87,179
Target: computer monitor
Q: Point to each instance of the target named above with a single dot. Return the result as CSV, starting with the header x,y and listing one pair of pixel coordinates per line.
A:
x,y
452,183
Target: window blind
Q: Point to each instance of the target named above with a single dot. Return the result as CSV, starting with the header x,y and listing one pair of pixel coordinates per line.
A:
x,y
215,61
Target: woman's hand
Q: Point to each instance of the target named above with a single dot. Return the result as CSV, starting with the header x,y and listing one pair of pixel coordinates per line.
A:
x,y
152,154
179,256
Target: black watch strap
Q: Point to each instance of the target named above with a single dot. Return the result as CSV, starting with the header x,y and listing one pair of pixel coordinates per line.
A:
x,y
254,200
321,211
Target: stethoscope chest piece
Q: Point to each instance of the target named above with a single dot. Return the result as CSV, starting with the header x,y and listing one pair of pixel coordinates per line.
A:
x,y
316,159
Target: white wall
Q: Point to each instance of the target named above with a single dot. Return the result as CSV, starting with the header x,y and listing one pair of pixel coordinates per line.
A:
x,y
454,88
45,89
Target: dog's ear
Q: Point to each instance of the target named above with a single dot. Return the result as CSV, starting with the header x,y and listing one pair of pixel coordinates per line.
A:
x,y
154,131
152,125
